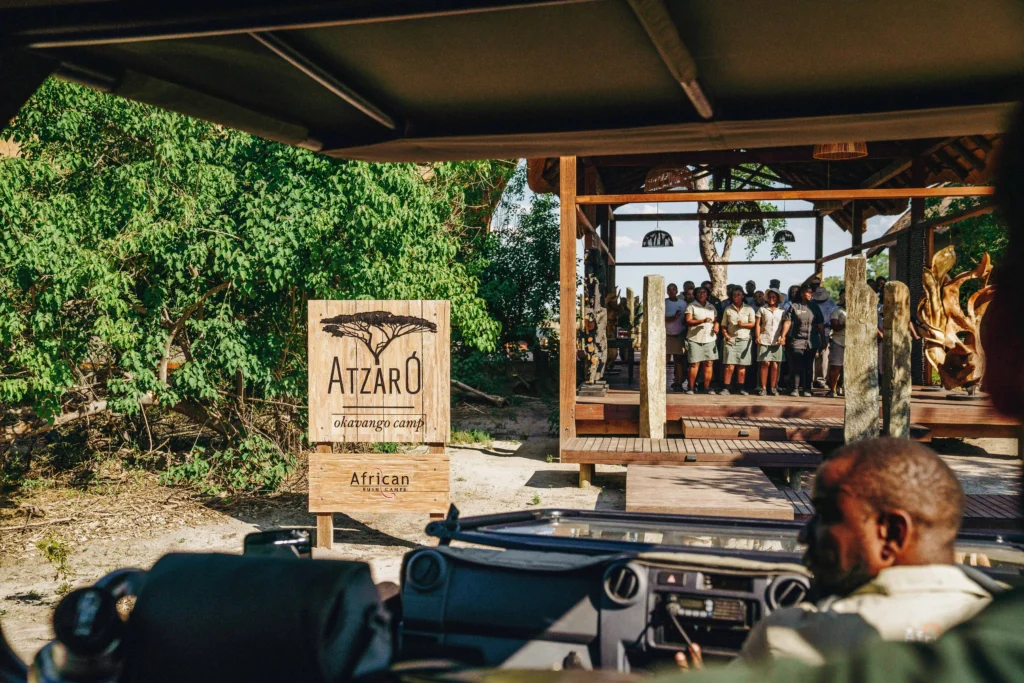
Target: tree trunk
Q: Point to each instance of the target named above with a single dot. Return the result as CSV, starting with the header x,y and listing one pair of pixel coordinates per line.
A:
x,y
717,273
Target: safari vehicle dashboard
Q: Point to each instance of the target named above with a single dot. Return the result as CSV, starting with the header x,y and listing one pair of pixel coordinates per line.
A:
x,y
563,589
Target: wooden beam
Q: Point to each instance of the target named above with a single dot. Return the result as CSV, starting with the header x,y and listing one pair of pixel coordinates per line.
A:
x,y
857,227
735,157
717,263
778,195
582,217
656,20
717,215
567,301
974,161
819,243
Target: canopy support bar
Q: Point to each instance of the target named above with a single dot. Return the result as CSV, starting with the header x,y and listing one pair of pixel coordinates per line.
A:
x,y
318,73
656,20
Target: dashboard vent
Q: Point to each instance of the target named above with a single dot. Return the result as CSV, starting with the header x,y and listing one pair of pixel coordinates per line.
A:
x,y
425,571
786,591
622,583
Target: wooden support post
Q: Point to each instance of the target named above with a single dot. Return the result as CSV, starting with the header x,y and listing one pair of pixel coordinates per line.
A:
x,y
437,449
860,366
857,226
652,360
896,349
324,520
917,260
566,306
819,243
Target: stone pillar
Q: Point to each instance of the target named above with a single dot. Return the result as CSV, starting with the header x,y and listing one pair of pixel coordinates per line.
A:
x,y
652,360
896,351
860,366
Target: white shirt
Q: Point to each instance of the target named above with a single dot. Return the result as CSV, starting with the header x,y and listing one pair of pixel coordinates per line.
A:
x,y
675,327
702,333
771,325
839,315
915,603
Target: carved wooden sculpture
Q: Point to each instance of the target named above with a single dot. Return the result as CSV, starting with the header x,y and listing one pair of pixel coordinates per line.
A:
x,y
596,344
950,335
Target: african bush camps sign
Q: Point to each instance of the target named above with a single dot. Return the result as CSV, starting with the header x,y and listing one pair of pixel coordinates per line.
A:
x,y
379,371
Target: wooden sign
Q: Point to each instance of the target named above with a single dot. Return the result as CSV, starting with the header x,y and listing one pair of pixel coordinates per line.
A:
x,y
378,483
379,371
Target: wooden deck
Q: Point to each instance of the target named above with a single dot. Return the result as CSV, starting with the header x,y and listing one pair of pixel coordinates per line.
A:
x,y
618,413
775,429
980,511
709,491
729,452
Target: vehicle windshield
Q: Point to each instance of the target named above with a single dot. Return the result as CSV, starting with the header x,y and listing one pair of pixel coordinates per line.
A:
x,y
586,531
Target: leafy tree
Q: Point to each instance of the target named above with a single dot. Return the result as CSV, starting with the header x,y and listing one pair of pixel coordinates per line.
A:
x,y
878,266
716,237
153,259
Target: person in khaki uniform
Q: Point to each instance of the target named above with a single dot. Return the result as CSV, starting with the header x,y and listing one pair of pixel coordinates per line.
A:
x,y
701,334
880,546
737,349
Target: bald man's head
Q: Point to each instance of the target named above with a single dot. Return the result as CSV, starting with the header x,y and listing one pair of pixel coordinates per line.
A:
x,y
880,503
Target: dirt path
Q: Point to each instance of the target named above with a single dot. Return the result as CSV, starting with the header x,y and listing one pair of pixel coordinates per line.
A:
x,y
501,477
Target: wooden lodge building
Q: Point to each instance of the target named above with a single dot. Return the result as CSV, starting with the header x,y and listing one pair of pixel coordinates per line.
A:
x,y
597,93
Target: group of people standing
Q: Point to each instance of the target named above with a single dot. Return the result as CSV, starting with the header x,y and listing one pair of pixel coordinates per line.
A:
x,y
800,335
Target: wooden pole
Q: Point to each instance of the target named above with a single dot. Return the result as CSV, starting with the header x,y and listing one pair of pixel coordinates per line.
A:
x,y
819,243
567,304
916,261
857,227
324,520
437,449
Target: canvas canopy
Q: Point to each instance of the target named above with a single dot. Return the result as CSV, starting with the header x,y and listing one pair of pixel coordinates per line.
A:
x,y
417,80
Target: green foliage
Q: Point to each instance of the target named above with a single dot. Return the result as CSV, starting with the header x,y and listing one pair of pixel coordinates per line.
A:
x,y
255,465
58,553
973,237
472,436
535,500
146,256
385,447
878,266
834,284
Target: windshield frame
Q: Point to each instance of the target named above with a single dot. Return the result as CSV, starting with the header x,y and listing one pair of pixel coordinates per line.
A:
x,y
477,530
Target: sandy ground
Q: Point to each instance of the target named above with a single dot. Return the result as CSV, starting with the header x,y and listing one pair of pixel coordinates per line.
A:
x,y
135,527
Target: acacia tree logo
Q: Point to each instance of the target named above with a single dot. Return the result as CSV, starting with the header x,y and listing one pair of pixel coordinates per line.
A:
x,y
376,329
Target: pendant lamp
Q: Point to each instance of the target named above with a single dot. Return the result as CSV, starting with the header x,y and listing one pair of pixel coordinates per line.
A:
x,y
840,151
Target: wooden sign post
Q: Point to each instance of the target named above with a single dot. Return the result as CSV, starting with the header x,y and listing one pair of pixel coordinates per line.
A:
x,y
379,371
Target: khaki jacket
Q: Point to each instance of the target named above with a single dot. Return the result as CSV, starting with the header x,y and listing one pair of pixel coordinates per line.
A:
x,y
900,604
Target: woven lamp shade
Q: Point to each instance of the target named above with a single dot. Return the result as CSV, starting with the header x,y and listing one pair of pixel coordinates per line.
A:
x,y
661,179
840,151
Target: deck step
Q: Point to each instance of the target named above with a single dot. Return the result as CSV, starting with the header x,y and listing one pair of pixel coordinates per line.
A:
x,y
775,429
706,491
720,452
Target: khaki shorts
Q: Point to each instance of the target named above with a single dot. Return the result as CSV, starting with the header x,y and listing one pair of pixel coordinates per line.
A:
x,y
737,352
835,355
674,345
770,354
699,353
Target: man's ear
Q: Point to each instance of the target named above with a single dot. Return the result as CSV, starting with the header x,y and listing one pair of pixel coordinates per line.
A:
x,y
896,527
